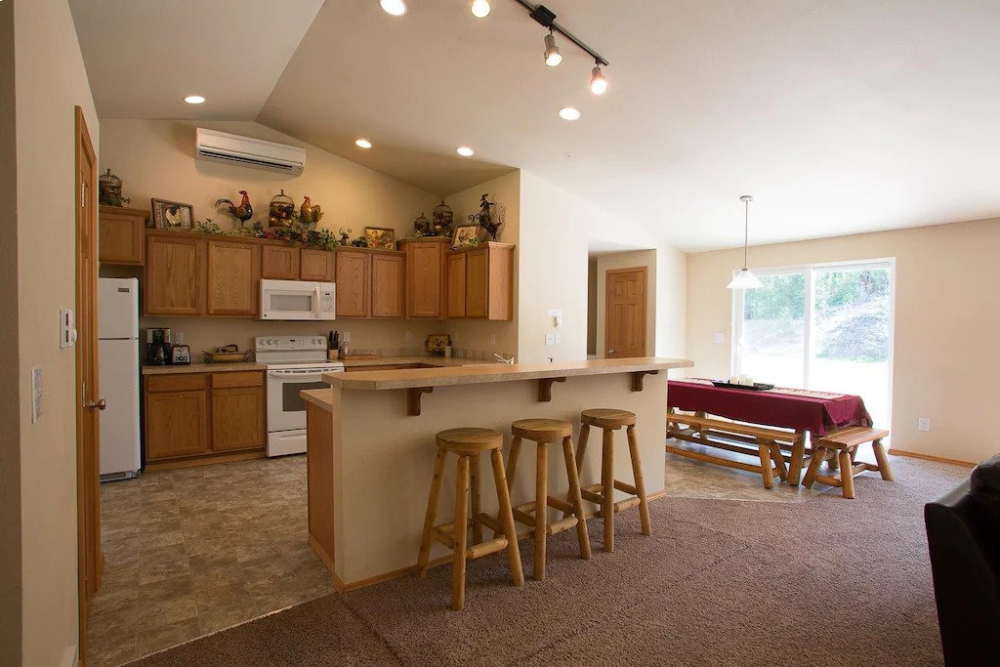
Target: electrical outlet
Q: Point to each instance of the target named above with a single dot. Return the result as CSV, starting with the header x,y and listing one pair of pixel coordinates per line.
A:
x,y
550,339
179,337
493,339
67,328
923,424
345,336
558,339
719,338
408,336
36,394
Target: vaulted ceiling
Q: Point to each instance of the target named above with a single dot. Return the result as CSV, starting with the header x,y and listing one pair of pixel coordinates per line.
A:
x,y
839,117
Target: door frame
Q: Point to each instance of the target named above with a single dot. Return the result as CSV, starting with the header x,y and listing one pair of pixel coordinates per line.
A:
x,y
644,270
88,459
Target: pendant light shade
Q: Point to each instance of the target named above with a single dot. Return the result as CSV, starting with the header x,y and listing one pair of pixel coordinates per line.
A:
x,y
745,279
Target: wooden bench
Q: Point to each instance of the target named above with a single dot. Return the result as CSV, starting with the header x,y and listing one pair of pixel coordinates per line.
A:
x,y
734,437
844,445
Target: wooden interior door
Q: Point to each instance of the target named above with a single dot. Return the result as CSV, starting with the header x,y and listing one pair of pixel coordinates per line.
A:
x,y
88,401
625,313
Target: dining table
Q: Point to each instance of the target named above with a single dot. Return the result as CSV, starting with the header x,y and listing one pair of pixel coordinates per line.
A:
x,y
808,413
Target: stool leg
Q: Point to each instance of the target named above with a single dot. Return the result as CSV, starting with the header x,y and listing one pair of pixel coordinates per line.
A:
x,y
429,518
461,528
817,458
515,451
580,453
882,460
576,499
765,465
847,473
608,488
640,485
506,518
541,508
477,528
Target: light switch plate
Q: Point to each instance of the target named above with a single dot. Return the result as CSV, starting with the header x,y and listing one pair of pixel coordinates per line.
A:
x,y
36,394
67,328
719,338
179,337
923,424
345,336
550,339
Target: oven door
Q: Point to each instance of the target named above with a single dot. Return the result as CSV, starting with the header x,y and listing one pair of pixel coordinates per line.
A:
x,y
286,409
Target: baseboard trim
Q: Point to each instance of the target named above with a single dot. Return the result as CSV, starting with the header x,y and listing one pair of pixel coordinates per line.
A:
x,y
929,457
341,587
204,461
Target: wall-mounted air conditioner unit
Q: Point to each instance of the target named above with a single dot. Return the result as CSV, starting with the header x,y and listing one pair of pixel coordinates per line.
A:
x,y
256,153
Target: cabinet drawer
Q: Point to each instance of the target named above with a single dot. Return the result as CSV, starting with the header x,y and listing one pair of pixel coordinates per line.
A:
x,y
181,382
235,379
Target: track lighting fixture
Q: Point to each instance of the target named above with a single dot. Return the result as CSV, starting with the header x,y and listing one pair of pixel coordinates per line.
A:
x,y
394,7
552,55
480,8
598,83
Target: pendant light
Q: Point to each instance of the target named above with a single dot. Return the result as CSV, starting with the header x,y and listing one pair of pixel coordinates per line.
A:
x,y
745,279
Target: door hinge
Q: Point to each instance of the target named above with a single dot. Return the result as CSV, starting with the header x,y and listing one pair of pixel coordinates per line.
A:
x,y
83,195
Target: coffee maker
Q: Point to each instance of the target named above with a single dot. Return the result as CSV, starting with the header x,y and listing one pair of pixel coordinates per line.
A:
x,y
158,348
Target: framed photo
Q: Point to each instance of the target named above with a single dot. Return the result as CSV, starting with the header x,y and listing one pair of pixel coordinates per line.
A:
x,y
465,235
172,215
382,238
180,354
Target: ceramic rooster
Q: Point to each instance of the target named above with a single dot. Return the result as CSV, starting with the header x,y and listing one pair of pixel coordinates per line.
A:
x,y
310,212
243,212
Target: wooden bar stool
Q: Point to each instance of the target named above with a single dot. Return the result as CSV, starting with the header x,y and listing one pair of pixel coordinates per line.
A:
x,y
544,432
468,444
611,420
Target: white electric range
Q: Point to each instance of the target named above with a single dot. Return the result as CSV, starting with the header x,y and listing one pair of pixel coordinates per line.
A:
x,y
294,363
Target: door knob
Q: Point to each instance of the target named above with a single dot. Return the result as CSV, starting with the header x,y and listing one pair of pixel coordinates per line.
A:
x,y
100,405
611,351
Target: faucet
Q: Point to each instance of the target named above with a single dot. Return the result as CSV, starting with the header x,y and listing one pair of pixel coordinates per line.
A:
x,y
504,360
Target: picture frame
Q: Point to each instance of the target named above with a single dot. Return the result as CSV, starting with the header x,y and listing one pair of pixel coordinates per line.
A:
x,y
180,355
465,235
172,215
382,238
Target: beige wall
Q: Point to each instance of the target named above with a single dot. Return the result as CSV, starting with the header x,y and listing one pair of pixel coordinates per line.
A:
x,y
625,260
51,79
156,159
10,453
592,307
947,317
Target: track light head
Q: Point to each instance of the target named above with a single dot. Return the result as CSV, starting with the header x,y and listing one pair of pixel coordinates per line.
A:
x,y
480,8
598,82
552,55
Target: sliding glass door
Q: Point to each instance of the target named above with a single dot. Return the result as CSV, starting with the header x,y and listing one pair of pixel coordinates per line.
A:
x,y
823,327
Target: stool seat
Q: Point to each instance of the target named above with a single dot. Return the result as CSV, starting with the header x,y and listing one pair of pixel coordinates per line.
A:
x,y
607,418
542,430
469,441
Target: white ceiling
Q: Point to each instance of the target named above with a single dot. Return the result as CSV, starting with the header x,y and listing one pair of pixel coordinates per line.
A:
x,y
838,116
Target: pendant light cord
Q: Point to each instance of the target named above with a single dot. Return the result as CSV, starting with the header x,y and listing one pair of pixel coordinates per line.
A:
x,y
746,232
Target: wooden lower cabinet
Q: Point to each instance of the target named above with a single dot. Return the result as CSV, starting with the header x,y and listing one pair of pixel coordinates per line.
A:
x,y
193,418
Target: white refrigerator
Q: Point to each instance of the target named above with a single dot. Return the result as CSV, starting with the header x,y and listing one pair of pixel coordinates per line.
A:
x,y
118,334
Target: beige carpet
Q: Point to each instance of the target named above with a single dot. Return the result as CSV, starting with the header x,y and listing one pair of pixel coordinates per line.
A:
x,y
826,581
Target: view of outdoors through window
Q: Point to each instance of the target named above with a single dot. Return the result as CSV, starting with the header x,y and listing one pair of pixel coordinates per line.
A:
x,y
823,328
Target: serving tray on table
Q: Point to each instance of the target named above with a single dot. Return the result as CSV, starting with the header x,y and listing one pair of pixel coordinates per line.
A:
x,y
757,386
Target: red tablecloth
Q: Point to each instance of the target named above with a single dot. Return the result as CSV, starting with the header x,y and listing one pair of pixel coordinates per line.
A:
x,y
770,408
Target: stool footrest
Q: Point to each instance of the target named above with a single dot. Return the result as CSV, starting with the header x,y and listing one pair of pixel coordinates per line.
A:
x,y
627,488
494,525
487,548
560,504
559,525
444,534
524,517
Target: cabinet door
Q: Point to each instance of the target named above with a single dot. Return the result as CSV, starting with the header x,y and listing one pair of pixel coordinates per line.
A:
x,y
233,278
174,276
176,424
279,263
477,283
456,285
121,238
238,419
388,276
425,280
353,288
316,265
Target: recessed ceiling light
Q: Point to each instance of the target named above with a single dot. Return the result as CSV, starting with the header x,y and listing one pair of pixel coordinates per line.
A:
x,y
465,151
394,7
480,8
569,113
194,99
363,143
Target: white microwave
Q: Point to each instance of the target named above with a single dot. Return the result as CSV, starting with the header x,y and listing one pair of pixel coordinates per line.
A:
x,y
297,300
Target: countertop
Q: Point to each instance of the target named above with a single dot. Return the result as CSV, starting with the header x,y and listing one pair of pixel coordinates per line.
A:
x,y
321,398
203,368
486,373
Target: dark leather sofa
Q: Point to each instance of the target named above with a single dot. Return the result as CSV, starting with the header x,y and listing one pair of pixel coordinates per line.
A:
x,y
963,534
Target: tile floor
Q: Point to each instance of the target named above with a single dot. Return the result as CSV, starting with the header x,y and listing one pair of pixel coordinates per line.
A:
x,y
191,551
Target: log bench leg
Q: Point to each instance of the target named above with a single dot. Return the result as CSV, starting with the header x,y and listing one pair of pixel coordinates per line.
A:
x,y
765,466
795,464
847,473
882,460
819,454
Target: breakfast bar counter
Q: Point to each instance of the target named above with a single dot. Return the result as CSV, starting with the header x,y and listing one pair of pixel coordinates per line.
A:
x,y
371,445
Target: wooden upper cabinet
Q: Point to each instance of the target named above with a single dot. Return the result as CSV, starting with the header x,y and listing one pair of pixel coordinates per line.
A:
x,y
316,265
489,281
238,411
352,275
233,278
121,235
456,285
388,279
174,275
279,263
425,278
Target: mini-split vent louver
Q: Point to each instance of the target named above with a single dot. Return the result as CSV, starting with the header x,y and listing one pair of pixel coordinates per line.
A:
x,y
215,146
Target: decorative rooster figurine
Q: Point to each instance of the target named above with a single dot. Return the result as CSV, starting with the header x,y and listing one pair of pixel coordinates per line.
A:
x,y
243,212
310,212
